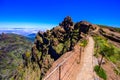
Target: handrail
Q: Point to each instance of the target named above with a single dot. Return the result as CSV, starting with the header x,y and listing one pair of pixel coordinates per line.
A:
x,y
57,68
59,65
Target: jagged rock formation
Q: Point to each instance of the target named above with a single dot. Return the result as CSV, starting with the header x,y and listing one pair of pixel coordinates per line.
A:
x,y
50,45
83,26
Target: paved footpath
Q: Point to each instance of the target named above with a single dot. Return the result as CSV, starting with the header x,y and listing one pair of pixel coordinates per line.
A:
x,y
86,68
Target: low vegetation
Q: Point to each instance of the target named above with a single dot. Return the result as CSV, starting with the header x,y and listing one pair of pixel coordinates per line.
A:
x,y
100,72
110,51
26,73
83,42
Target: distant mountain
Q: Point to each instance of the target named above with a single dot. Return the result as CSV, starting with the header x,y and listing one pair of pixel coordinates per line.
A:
x,y
12,46
20,31
31,36
30,33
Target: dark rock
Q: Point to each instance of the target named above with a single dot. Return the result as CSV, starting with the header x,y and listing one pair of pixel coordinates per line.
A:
x,y
67,23
84,26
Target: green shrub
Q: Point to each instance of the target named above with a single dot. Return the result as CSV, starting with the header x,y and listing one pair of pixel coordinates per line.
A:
x,y
83,43
100,72
67,43
111,51
59,48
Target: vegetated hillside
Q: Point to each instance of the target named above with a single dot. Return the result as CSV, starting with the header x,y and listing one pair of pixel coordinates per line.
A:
x,y
107,44
12,46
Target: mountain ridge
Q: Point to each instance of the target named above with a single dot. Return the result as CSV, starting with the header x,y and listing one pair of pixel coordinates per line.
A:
x,y
51,45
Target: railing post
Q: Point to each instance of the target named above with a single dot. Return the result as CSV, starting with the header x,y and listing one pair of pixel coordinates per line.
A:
x,y
60,72
100,62
80,53
79,56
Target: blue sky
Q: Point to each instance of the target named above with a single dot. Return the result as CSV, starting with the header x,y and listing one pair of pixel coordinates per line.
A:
x,y
48,13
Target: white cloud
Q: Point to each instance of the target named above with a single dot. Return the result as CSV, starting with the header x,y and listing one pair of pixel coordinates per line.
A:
x,y
26,26
23,28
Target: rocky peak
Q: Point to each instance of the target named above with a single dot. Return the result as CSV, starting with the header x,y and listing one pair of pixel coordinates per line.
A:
x,y
67,23
83,26
85,23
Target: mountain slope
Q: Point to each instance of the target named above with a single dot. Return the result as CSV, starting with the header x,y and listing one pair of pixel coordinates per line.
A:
x,y
31,36
12,46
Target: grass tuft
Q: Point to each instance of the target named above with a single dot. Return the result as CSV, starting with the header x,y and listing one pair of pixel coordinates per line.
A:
x,y
83,43
100,72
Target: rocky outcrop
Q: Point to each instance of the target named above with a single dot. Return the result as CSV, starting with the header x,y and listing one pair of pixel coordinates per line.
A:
x,y
114,36
50,45
83,26
67,24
